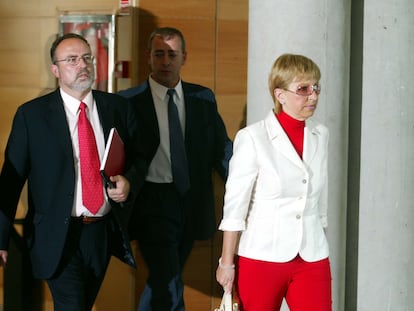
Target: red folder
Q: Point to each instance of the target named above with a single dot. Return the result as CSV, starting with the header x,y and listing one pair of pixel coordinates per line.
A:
x,y
113,162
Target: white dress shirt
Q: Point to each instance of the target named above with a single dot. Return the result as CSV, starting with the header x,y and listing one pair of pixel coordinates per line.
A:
x,y
71,106
159,170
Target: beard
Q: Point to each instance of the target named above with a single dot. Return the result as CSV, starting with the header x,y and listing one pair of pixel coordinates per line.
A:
x,y
82,84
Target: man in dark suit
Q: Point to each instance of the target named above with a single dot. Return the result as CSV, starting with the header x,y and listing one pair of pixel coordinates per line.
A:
x,y
71,231
174,208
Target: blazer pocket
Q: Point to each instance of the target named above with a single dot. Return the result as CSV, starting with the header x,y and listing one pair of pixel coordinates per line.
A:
x,y
30,231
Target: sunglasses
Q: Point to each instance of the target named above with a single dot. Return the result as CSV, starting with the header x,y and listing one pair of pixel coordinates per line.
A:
x,y
306,90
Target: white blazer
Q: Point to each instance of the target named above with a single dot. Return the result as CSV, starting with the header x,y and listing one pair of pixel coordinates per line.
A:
x,y
277,200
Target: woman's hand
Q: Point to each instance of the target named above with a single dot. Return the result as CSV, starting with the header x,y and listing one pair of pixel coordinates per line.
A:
x,y
225,276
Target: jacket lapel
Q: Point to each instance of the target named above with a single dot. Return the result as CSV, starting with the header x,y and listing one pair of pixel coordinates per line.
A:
x,y
280,141
145,104
103,108
189,113
56,117
310,141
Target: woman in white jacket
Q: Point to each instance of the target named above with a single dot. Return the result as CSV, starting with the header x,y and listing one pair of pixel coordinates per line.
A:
x,y
275,209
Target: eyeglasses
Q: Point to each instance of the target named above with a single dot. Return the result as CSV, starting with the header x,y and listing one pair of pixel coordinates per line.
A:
x,y
306,90
75,60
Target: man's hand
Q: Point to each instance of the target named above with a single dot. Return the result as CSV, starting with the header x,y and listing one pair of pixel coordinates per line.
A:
x,y
121,192
3,258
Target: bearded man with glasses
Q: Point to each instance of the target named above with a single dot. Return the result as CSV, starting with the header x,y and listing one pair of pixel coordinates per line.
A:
x,y
73,224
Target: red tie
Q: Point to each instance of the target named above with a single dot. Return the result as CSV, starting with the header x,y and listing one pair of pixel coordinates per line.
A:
x,y
92,189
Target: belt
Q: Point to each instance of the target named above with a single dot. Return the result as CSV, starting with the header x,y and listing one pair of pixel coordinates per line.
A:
x,y
86,220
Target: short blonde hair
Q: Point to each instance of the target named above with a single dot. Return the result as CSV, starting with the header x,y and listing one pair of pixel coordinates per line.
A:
x,y
288,68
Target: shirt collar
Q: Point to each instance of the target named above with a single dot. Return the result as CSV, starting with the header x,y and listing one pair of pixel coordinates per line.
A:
x,y
161,91
73,103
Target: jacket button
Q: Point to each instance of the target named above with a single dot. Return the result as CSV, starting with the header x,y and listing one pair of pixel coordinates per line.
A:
x,y
298,217
304,181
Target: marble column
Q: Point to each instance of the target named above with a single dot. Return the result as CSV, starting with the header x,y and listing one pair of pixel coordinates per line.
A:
x,y
381,198
364,50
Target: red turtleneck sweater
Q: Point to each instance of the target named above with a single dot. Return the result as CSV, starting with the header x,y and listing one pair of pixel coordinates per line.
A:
x,y
294,130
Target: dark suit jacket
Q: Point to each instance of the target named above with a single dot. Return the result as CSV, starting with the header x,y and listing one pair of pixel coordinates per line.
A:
x,y
39,150
207,146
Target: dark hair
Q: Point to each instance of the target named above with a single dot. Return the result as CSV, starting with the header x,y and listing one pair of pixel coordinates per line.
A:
x,y
62,38
166,33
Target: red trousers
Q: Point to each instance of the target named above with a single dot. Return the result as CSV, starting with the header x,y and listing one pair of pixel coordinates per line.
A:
x,y
262,285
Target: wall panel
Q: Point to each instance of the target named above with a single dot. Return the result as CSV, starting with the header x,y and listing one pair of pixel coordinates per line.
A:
x,y
184,9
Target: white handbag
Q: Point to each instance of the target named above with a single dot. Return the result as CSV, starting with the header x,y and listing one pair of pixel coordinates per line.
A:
x,y
227,303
